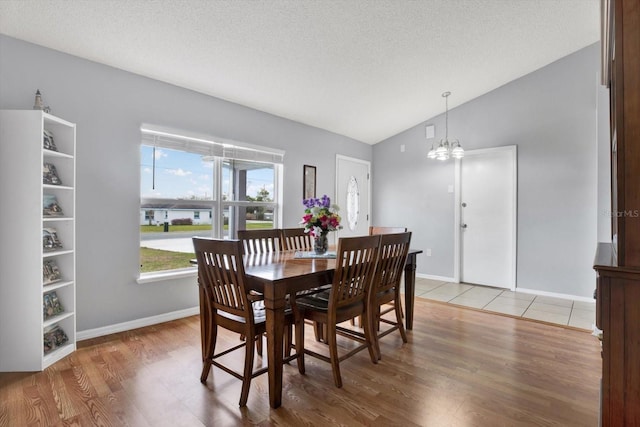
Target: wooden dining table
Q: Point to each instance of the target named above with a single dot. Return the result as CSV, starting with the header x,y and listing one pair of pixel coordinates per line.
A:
x,y
278,274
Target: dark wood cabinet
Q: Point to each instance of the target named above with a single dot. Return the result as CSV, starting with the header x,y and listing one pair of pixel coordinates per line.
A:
x,y
617,263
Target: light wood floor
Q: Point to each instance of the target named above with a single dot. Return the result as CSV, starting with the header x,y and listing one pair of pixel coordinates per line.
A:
x,y
460,368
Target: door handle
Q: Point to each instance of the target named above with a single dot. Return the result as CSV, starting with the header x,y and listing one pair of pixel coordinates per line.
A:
x,y
463,225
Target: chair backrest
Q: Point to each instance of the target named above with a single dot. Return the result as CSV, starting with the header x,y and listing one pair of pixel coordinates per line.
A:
x,y
260,241
391,259
355,267
221,274
296,239
386,230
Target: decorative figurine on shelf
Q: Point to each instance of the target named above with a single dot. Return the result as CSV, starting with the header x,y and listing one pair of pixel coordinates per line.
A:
x,y
39,105
47,141
50,240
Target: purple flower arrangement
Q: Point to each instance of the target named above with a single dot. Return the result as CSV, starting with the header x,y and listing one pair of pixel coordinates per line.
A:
x,y
320,216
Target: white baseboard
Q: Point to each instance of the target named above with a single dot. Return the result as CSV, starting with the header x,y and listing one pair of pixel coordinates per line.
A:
x,y
432,277
138,323
555,295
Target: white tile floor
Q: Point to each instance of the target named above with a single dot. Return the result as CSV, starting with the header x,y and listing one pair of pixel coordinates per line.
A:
x,y
566,312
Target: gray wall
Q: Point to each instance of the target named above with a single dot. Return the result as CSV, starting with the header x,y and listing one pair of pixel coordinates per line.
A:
x,y
551,115
108,106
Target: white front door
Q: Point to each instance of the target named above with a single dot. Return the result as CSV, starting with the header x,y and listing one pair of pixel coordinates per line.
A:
x,y
352,195
488,195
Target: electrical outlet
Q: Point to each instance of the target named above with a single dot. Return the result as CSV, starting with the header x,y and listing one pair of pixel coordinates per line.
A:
x,y
428,251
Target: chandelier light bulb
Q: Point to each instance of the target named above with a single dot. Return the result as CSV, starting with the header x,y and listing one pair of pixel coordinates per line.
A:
x,y
446,149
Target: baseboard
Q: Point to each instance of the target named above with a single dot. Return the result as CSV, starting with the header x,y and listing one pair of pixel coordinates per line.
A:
x,y
555,295
432,277
138,323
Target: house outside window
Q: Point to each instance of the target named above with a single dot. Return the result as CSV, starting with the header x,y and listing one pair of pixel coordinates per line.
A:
x,y
183,176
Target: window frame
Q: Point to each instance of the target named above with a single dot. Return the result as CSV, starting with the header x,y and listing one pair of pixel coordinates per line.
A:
x,y
218,206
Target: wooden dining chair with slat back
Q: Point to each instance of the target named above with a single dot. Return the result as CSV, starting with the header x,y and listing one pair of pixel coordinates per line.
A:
x,y
386,230
295,239
348,298
386,285
373,230
260,241
221,274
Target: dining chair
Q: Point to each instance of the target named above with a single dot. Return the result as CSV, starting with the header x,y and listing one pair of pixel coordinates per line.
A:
x,y
385,230
373,230
221,274
296,239
260,241
347,298
386,285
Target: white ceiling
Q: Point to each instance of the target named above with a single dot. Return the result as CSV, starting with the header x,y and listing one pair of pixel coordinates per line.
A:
x,y
367,69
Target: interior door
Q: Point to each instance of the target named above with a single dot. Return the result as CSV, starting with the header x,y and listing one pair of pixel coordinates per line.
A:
x,y
488,195
352,195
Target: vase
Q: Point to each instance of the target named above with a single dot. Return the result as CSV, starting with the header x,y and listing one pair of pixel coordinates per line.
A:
x,y
321,244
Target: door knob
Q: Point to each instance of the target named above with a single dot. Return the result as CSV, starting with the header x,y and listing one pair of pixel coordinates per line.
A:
x,y
463,225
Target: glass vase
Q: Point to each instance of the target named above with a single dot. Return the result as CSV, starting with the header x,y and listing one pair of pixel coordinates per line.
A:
x,y
321,244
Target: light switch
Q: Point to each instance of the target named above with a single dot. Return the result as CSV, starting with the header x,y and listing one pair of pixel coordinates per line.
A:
x,y
402,148
430,131
450,189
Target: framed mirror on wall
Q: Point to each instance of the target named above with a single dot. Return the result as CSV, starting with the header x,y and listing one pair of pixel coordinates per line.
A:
x,y
308,182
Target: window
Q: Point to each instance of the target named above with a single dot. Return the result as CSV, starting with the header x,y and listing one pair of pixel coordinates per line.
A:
x,y
181,177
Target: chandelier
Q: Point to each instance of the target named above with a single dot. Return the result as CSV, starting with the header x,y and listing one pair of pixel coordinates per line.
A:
x,y
446,148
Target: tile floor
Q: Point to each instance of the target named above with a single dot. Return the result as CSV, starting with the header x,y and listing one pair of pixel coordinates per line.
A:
x,y
566,312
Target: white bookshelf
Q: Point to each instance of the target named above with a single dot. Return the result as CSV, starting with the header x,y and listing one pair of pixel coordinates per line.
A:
x,y
22,253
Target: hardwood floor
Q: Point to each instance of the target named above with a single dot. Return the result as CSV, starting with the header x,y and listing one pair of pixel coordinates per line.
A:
x,y
460,368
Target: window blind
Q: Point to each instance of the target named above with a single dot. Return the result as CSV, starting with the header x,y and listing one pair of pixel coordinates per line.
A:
x,y
208,146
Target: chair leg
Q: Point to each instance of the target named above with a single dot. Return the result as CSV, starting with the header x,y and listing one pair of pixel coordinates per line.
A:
x,y
259,345
333,352
248,370
318,329
288,340
210,344
403,333
371,337
376,340
359,323
300,345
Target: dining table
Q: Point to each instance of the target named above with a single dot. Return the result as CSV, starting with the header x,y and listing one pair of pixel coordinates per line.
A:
x,y
278,274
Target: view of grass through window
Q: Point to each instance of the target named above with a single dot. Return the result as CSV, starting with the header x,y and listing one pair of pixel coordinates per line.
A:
x,y
157,259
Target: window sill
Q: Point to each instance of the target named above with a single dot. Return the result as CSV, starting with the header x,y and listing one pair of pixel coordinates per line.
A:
x,y
167,275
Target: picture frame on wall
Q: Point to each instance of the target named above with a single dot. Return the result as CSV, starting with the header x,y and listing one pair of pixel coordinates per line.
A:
x,y
308,182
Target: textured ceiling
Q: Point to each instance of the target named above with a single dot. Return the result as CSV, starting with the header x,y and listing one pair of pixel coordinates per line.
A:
x,y
364,69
